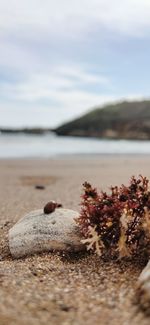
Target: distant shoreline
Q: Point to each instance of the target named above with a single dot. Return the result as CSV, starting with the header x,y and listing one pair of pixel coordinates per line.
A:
x,y
25,130
44,131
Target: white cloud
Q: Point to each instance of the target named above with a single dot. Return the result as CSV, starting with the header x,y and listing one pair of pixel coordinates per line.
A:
x,y
49,92
79,75
74,17
63,89
53,98
58,83
69,107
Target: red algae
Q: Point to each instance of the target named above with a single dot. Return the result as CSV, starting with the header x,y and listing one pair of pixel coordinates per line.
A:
x,y
119,222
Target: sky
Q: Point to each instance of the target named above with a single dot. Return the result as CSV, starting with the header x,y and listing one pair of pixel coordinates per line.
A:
x,y
59,59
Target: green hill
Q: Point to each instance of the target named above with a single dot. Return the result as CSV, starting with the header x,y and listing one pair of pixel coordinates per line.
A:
x,y
124,120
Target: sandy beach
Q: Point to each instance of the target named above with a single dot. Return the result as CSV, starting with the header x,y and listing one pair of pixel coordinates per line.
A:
x,y
57,289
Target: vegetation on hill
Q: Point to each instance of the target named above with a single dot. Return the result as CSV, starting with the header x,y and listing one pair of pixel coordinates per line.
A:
x,y
123,120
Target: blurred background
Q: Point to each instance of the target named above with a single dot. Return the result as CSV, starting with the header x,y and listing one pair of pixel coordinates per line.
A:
x,y
74,77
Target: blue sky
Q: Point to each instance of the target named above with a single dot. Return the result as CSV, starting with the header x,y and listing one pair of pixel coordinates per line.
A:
x,y
58,59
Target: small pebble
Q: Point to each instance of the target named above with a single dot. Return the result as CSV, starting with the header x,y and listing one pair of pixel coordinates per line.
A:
x,y
39,187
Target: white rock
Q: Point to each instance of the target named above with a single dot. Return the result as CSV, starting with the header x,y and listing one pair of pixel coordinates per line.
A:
x,y
37,232
144,286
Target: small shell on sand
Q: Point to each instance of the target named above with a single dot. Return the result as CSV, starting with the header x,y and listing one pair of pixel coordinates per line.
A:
x,y
37,232
144,287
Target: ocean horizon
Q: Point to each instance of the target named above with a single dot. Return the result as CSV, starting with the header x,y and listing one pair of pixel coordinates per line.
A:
x,y
50,145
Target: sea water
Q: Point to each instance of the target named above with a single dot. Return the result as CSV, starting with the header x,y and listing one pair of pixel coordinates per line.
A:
x,y
50,145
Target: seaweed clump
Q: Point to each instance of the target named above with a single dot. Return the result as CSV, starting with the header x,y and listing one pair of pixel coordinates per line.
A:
x,y
117,223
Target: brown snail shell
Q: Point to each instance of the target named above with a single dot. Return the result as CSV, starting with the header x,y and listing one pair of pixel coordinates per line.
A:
x,y
51,206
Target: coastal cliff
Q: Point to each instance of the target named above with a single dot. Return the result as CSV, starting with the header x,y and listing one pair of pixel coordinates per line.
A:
x,y
123,120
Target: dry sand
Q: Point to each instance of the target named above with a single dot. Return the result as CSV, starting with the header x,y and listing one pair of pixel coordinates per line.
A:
x,y
53,289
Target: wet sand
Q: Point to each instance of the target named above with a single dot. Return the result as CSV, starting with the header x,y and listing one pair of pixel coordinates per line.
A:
x,y
56,289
